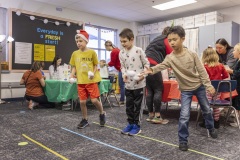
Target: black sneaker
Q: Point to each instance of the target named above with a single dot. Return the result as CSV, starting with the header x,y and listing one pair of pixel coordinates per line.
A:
x,y
183,146
202,124
213,133
216,124
102,119
84,123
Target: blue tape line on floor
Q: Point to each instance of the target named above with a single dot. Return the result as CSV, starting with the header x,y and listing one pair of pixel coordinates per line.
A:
x,y
108,145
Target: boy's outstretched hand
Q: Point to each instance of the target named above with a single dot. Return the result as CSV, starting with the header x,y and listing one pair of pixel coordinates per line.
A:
x,y
147,70
125,79
212,91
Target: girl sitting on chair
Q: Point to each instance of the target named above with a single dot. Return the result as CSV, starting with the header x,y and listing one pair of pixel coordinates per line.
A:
x,y
216,71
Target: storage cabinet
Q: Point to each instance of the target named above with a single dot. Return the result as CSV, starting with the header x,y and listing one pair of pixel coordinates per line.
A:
x,y
209,34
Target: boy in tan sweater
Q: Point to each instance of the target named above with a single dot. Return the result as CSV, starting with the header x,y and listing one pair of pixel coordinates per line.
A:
x,y
193,80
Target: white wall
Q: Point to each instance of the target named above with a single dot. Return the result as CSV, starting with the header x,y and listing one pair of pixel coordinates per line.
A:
x,y
231,14
46,9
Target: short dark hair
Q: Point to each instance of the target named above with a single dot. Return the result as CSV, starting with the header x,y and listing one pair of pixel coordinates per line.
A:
x,y
127,33
223,42
177,30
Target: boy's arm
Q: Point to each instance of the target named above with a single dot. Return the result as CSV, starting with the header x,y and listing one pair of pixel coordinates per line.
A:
x,y
144,59
161,66
123,68
113,59
202,73
73,72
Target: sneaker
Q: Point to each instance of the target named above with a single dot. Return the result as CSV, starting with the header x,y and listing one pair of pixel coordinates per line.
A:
x,y
135,130
149,119
121,103
102,118
202,124
183,146
216,124
156,120
213,133
127,129
32,104
84,123
234,124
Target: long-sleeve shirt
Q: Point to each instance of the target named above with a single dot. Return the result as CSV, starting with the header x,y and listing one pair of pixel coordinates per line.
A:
x,y
228,58
114,61
217,72
188,69
133,60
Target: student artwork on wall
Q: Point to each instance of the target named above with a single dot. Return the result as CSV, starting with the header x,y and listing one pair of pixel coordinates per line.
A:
x,y
40,38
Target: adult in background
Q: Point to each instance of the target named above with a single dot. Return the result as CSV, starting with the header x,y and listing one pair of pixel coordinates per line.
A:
x,y
156,52
54,68
115,62
225,53
34,82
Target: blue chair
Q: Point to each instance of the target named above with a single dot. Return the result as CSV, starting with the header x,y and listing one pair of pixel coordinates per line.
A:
x,y
223,86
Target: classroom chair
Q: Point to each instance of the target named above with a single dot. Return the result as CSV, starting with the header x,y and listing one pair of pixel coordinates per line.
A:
x,y
223,86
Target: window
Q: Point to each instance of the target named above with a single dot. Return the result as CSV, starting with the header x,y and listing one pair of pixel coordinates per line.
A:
x,y
97,37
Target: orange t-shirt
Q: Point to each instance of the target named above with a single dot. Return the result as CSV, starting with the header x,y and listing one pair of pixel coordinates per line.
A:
x,y
33,85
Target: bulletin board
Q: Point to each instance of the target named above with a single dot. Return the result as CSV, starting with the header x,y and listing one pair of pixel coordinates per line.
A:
x,y
36,40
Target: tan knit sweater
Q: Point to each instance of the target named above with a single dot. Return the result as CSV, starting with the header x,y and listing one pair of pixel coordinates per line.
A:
x,y
188,69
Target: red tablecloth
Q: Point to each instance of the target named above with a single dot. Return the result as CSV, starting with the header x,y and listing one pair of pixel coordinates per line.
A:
x,y
171,91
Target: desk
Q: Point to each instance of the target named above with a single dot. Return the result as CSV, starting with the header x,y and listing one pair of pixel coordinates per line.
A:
x,y
62,91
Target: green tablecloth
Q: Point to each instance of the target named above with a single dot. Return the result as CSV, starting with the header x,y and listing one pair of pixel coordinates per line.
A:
x,y
62,91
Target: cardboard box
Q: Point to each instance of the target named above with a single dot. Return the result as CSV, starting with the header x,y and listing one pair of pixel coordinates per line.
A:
x,y
140,28
147,32
200,20
169,23
213,19
154,26
140,33
147,27
178,22
188,22
161,26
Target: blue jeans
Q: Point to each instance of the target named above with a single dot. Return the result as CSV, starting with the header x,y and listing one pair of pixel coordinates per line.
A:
x,y
122,86
186,100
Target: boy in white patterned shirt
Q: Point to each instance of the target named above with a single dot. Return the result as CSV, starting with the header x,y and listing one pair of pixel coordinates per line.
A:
x,y
133,60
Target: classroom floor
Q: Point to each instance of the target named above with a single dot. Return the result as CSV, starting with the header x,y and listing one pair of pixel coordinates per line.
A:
x,y
52,134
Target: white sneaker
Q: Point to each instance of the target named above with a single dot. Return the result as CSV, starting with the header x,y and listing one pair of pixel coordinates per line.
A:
x,y
234,124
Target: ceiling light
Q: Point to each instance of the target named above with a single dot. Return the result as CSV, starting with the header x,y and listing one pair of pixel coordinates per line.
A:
x,y
173,4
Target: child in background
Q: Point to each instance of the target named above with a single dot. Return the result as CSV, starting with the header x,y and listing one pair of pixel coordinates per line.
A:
x,y
114,61
103,69
54,68
84,63
192,79
133,60
236,76
41,69
216,71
